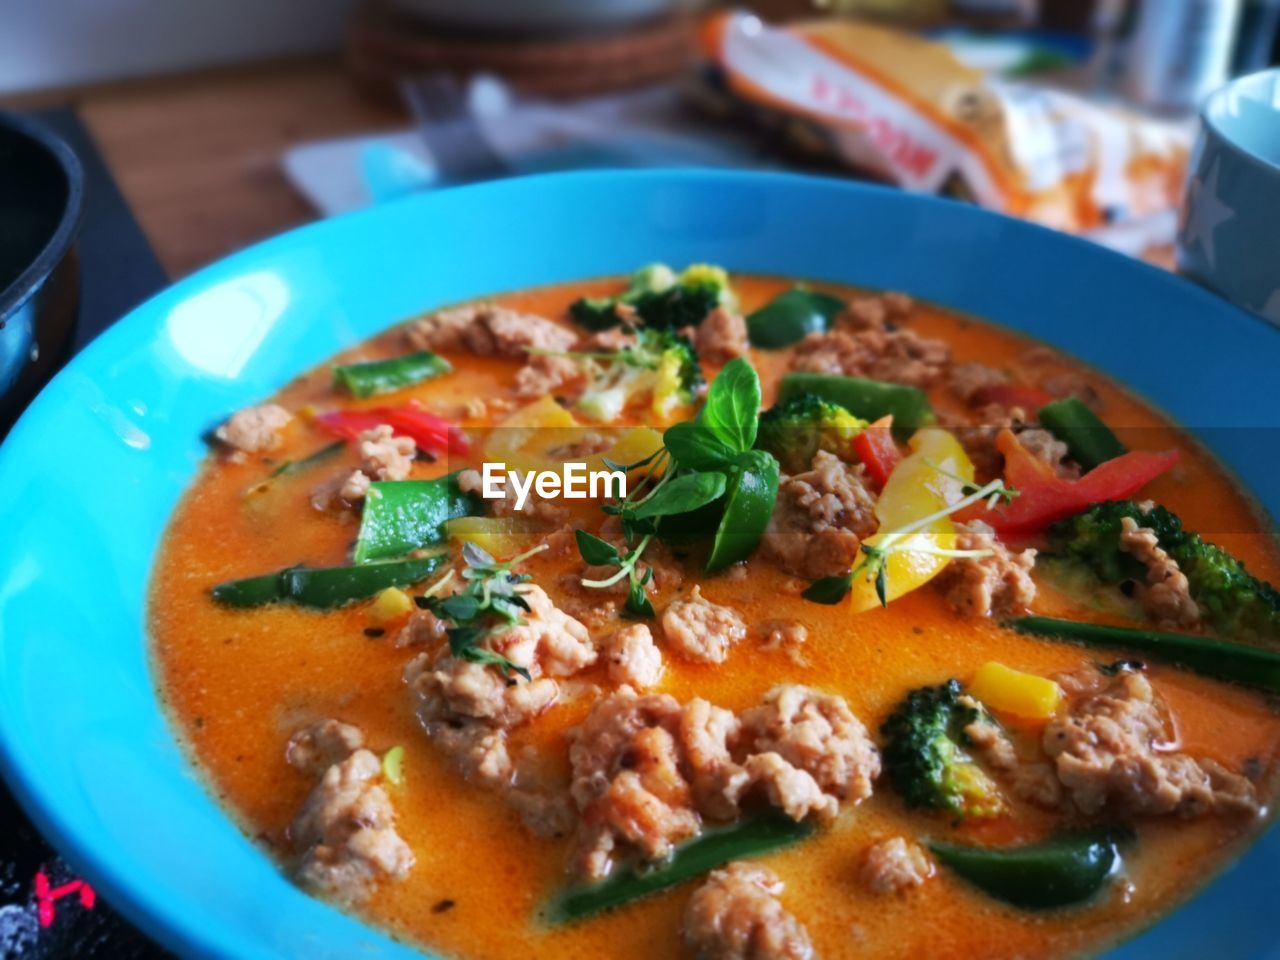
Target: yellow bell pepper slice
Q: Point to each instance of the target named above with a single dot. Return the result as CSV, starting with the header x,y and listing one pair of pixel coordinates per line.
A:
x,y
497,536
391,604
528,439
1012,691
923,483
525,439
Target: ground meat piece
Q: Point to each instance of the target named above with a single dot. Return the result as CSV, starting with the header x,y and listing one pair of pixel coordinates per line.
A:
x,y
894,865
383,455
998,584
721,336
453,688
544,374
254,429
488,330
820,519
316,747
875,312
1044,446
788,636
1111,749
793,791
736,915
548,641
898,356
607,341
535,507
347,833
1034,782
966,380
481,754
701,630
422,627
549,637
818,733
633,657
708,734
626,780
1166,596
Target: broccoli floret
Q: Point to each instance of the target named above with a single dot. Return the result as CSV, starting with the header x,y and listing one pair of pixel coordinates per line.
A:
x,y
1236,603
797,428
662,361
924,754
660,298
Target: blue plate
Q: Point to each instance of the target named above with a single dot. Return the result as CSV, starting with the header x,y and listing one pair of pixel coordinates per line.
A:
x,y
92,471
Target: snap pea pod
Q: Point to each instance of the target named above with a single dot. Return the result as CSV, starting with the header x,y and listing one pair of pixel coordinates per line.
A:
x,y
323,588
866,399
1064,870
401,516
1089,440
747,838
753,489
385,376
1220,659
790,316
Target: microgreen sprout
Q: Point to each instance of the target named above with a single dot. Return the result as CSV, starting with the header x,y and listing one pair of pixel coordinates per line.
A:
x,y
875,557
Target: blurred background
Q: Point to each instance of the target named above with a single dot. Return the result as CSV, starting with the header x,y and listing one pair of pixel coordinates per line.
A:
x,y
142,139
224,122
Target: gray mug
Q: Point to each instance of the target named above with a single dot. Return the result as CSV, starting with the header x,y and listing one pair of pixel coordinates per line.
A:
x,y
1229,230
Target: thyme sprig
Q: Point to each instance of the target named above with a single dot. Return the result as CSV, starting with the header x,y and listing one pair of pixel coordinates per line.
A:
x,y
490,603
602,553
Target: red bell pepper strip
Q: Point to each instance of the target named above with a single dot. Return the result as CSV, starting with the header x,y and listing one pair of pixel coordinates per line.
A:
x,y
876,451
1044,497
431,433
1030,399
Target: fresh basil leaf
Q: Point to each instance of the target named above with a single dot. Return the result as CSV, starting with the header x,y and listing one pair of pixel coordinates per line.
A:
x,y
829,590
596,552
683,494
753,490
696,447
733,405
459,607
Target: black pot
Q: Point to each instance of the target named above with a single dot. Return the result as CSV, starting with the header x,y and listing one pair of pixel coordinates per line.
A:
x,y
41,200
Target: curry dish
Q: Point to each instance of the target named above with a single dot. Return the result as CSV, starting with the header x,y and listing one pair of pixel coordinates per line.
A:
x,y
907,637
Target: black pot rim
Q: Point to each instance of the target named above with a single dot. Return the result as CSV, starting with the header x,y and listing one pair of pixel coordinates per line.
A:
x,y
56,248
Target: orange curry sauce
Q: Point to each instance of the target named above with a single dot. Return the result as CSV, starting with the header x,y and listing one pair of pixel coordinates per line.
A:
x,y
239,682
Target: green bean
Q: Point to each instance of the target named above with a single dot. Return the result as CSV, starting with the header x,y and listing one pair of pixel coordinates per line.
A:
x,y
324,588
401,516
792,315
1067,869
1220,659
384,376
746,838
1089,440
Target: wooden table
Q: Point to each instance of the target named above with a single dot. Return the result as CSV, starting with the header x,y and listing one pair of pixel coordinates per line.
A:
x,y
198,155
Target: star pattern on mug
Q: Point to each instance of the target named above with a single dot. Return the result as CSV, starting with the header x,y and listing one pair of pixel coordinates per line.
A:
x,y
1205,213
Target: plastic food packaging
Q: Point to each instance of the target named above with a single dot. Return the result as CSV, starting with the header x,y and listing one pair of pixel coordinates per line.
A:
x,y
904,109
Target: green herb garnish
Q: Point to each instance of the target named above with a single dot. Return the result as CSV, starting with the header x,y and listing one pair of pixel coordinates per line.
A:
x,y
602,553
489,604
